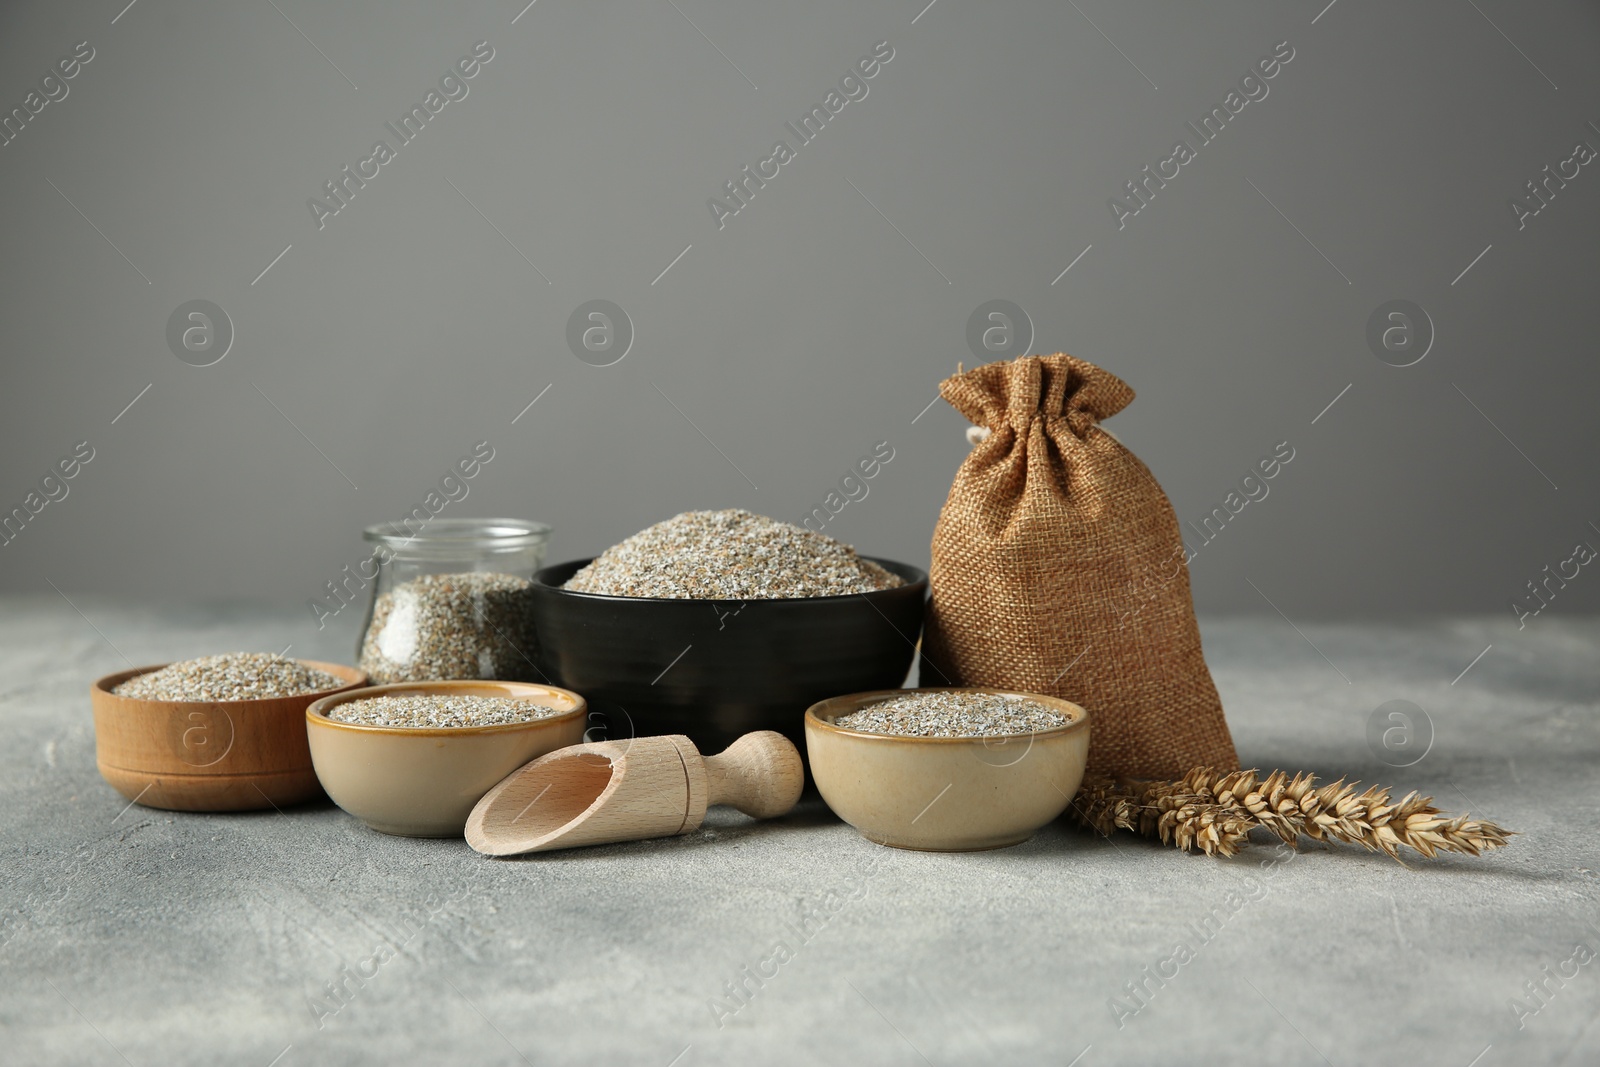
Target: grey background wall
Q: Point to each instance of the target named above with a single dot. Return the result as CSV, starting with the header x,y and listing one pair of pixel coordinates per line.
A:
x,y
768,354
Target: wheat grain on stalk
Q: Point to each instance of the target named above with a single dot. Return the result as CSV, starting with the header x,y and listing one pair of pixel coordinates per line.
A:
x,y
1214,812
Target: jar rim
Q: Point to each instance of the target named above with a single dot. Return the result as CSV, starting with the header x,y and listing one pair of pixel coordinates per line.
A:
x,y
460,533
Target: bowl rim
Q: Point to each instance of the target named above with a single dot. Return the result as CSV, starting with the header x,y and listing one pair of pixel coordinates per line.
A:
x,y
104,685
316,714
541,585
1080,714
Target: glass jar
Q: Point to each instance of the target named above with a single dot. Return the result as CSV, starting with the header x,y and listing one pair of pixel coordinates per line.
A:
x,y
451,599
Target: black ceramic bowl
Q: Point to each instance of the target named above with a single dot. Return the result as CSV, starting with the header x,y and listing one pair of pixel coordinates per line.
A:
x,y
716,669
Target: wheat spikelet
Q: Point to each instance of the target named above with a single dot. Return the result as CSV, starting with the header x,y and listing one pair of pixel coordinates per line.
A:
x,y
1103,806
1211,828
1169,811
1215,812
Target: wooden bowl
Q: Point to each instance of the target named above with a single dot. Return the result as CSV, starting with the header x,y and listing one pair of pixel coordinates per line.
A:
x,y
419,782
945,794
231,755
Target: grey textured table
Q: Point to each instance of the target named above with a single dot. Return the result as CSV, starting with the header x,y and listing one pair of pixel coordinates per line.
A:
x,y
154,937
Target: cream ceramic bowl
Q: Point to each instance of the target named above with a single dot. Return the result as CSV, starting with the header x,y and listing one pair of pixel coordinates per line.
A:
x,y
945,794
424,782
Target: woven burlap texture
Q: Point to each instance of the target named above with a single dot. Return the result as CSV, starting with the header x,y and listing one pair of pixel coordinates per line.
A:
x,y
1058,568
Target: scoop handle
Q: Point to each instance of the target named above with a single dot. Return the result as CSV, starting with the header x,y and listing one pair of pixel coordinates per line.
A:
x,y
761,774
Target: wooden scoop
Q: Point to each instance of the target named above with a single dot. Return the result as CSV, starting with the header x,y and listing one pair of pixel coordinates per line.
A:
x,y
611,791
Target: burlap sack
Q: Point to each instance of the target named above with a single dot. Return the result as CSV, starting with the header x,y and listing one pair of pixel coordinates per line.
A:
x,y
1058,568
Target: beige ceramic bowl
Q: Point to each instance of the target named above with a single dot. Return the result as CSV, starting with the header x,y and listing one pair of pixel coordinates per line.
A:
x,y
945,794
422,782
201,755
